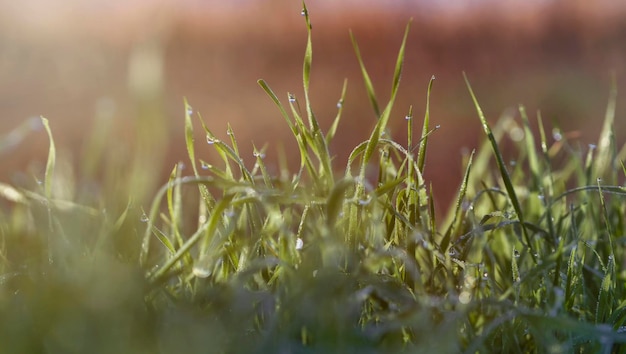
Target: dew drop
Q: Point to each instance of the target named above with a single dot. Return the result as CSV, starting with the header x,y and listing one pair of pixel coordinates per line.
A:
x,y
205,166
437,126
303,12
408,117
513,163
592,146
201,272
599,180
365,201
189,110
258,154
340,104
144,218
556,134
299,243
516,253
210,140
292,98
485,275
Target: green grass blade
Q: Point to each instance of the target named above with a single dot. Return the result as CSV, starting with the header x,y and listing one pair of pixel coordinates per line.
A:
x,y
421,155
368,82
384,118
533,160
604,155
502,167
51,163
455,217
333,128
189,139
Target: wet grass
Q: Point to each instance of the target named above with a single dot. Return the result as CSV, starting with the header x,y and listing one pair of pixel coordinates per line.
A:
x,y
229,258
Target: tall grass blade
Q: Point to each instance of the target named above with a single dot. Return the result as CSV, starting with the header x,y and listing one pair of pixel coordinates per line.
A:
x,y
51,163
368,82
604,155
421,155
506,178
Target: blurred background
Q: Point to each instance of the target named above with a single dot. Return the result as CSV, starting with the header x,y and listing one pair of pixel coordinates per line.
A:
x,y
122,68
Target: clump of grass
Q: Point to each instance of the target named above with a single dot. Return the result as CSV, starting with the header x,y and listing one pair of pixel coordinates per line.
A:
x,y
527,260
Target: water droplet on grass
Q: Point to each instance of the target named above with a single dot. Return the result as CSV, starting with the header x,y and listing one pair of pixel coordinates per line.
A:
x,y
556,134
408,117
516,253
205,166
340,104
437,126
303,12
258,154
144,218
592,146
201,272
485,275
299,243
365,201
210,140
189,110
292,98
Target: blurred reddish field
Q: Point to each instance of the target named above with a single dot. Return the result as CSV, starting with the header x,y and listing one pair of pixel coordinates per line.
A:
x,y
133,64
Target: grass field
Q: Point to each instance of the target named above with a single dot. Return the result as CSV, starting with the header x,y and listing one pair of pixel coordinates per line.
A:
x,y
330,258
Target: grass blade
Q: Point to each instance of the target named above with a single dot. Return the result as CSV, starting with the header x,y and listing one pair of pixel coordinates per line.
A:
x,y
503,171
421,155
368,82
51,163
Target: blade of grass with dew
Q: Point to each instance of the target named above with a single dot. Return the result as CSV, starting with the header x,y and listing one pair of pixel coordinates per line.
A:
x,y
452,224
321,148
503,171
421,155
259,155
333,128
206,200
304,158
384,118
306,140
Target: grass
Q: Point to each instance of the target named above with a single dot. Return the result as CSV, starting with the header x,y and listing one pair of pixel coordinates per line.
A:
x,y
231,259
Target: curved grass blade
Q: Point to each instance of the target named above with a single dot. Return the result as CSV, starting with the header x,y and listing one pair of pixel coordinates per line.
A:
x,y
51,163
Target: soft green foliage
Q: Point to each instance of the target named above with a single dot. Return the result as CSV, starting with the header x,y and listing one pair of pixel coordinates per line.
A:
x,y
232,259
